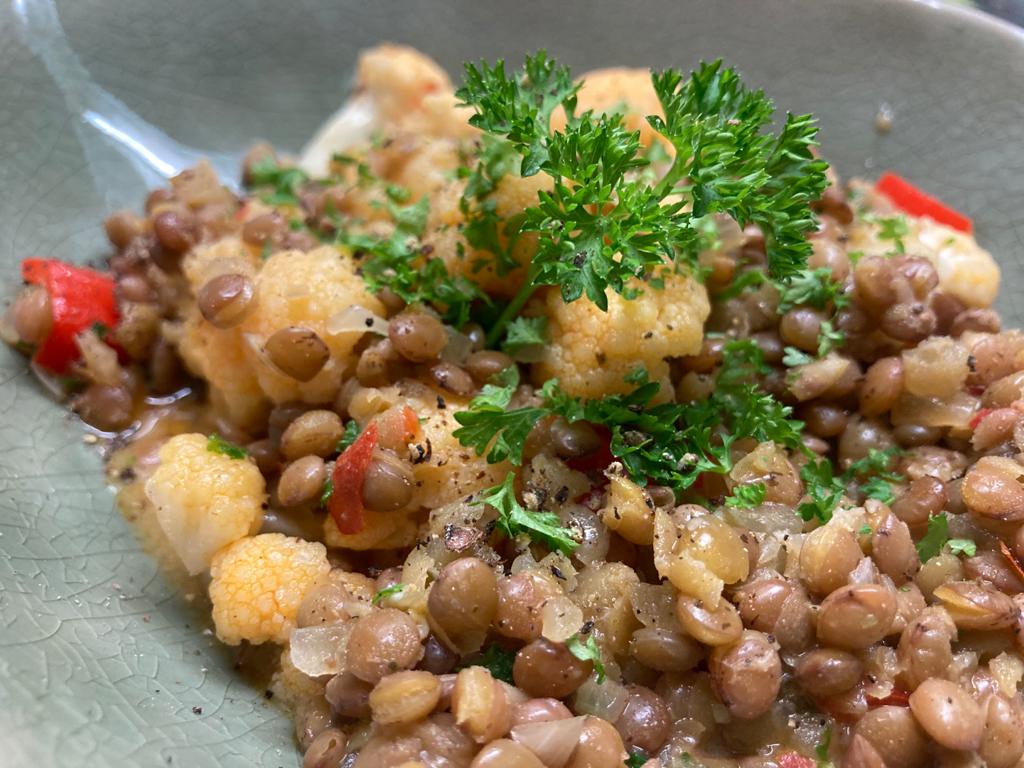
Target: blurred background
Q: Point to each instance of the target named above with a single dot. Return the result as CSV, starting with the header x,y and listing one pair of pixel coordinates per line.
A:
x,y
1011,10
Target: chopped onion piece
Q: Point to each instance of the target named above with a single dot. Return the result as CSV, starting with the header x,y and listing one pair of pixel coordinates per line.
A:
x,y
606,700
458,347
351,125
560,619
552,742
356,319
320,650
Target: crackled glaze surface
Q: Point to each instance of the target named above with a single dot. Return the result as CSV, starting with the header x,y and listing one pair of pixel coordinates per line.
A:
x,y
101,662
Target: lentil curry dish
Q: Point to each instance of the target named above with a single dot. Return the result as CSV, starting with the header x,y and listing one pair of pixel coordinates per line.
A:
x,y
570,423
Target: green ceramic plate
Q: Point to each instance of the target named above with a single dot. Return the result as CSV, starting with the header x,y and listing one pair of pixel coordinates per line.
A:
x,y
102,663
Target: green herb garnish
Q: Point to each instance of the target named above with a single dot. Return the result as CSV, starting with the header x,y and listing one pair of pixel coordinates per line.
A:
x,y
394,589
349,436
495,659
935,537
217,444
587,650
514,519
602,224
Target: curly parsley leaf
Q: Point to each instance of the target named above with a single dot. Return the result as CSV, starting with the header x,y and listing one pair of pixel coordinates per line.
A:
x,y
348,436
734,165
277,184
587,650
327,492
524,334
399,263
606,222
514,519
964,547
934,538
793,357
387,592
490,429
829,338
747,496
824,491
496,660
812,288
217,444
893,229
636,759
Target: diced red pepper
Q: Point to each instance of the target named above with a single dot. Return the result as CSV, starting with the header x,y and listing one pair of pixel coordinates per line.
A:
x,y
897,698
979,417
79,298
791,759
1011,559
917,202
346,502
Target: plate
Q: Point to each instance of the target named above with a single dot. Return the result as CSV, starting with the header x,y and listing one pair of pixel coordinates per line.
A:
x,y
101,661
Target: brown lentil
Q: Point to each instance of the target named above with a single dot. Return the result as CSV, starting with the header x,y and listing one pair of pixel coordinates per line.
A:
x,y
32,315
326,750
417,337
384,641
485,364
226,300
314,432
302,480
543,668
388,484
297,352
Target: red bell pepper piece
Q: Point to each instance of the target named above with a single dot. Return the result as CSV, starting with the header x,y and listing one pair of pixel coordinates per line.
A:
x,y
916,202
897,698
79,298
791,759
979,417
346,502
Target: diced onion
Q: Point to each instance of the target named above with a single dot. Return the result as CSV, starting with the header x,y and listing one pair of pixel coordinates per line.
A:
x,y
560,618
606,700
552,742
320,650
356,319
458,347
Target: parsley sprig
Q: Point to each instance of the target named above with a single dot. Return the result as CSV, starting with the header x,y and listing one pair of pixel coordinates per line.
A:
x,y
514,519
603,224
665,443
825,490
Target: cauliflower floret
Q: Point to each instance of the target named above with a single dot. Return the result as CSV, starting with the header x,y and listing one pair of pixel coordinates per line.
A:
x,y
219,355
592,351
204,500
258,583
446,470
966,270
293,687
307,289
291,288
513,195
618,89
453,471
398,78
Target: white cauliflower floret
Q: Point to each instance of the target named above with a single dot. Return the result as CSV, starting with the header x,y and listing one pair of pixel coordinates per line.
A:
x,y
219,355
591,351
291,288
444,472
398,79
306,289
966,270
204,500
453,470
258,583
